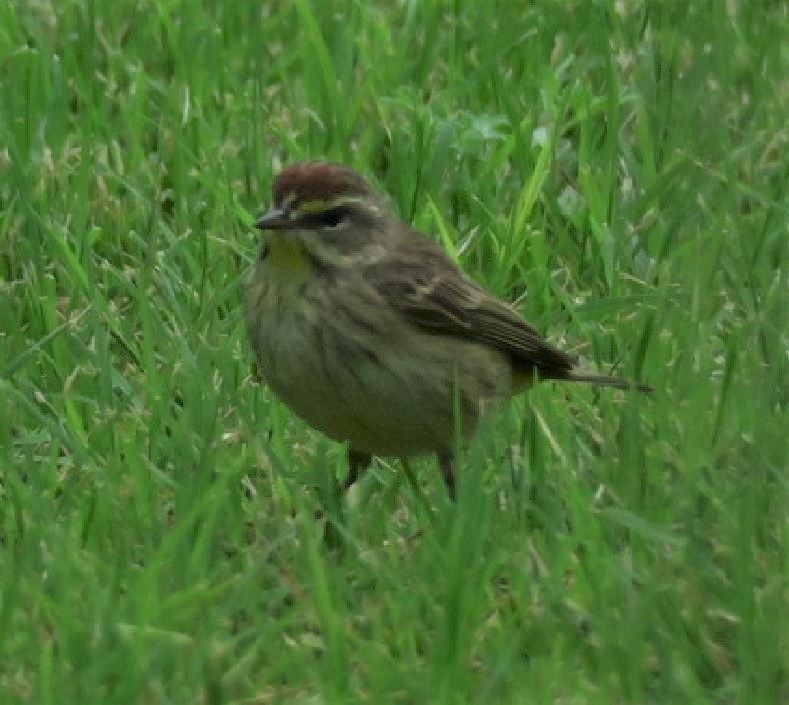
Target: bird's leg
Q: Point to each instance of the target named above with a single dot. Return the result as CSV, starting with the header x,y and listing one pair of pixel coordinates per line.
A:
x,y
332,530
447,464
357,464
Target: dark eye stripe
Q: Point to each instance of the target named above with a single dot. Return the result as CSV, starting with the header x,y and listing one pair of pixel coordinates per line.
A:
x,y
330,218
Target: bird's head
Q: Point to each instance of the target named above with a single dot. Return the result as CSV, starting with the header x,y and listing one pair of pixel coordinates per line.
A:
x,y
328,209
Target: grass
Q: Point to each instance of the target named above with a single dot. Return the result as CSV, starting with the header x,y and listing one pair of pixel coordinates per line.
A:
x,y
618,168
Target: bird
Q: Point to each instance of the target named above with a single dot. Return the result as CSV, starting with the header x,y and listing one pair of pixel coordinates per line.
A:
x,y
370,333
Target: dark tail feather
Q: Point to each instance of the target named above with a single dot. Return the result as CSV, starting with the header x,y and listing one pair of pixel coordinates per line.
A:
x,y
607,381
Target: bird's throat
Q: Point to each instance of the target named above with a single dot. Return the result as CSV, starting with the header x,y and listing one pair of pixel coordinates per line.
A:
x,y
287,260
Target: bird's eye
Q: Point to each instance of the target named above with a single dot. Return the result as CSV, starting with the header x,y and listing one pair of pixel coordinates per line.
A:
x,y
333,217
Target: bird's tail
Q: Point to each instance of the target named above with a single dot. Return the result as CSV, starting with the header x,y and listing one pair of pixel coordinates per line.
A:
x,y
607,381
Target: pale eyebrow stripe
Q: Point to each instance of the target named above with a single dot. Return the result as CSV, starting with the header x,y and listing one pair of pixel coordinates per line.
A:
x,y
310,207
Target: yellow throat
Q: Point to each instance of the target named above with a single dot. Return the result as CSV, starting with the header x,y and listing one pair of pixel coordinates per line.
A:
x,y
287,259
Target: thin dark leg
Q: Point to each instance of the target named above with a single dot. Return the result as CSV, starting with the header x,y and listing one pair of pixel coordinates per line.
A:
x,y
447,464
357,464
333,528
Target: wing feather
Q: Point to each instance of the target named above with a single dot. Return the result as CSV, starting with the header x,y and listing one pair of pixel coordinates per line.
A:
x,y
435,295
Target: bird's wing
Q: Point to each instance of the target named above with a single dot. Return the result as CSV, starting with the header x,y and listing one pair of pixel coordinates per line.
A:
x,y
422,283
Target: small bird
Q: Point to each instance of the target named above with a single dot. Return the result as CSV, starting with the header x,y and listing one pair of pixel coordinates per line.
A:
x,y
371,334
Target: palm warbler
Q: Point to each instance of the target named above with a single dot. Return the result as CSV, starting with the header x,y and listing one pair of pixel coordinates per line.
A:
x,y
370,333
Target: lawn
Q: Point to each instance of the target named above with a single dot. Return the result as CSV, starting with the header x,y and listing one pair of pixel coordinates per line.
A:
x,y
618,169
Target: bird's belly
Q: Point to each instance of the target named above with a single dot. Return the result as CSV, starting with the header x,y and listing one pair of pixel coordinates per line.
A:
x,y
383,394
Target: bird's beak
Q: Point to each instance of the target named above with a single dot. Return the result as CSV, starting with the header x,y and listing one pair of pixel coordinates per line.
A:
x,y
275,219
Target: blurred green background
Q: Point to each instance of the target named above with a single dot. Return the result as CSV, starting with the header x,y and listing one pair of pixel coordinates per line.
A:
x,y
617,168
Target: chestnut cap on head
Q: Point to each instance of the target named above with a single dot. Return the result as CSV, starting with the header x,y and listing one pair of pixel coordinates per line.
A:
x,y
311,187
